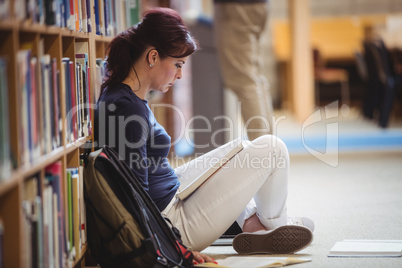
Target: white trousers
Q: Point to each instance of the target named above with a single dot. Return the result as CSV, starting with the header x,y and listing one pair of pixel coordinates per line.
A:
x,y
254,181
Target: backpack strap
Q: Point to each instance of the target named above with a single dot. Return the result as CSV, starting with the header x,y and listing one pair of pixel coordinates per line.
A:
x,y
87,150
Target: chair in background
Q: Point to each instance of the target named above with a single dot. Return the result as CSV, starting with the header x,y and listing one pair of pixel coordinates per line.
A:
x,y
324,75
389,79
361,66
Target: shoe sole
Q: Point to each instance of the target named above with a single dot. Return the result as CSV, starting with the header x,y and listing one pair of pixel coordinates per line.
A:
x,y
282,240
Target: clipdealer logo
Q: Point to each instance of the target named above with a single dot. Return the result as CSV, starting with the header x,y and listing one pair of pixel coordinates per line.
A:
x,y
330,155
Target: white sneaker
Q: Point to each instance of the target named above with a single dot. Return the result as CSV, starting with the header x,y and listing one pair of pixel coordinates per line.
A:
x,y
282,240
303,221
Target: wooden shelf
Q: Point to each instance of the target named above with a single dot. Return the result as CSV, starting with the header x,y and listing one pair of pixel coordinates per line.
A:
x,y
31,168
57,43
12,182
102,38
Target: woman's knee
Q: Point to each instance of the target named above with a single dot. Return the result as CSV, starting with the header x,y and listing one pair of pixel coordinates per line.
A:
x,y
270,145
269,141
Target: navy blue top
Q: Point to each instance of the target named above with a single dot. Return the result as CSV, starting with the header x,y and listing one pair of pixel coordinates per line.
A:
x,y
126,123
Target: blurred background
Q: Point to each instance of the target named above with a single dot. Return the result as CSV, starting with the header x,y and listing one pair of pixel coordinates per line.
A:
x,y
317,67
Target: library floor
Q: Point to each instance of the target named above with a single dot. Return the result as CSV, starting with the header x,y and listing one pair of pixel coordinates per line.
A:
x,y
356,197
360,198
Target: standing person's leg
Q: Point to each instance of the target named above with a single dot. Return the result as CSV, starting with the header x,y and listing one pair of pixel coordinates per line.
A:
x,y
237,30
264,85
260,170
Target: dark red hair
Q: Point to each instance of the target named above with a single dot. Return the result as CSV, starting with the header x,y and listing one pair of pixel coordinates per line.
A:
x,y
162,28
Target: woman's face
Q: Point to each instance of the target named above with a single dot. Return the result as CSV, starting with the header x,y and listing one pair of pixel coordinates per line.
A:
x,y
169,69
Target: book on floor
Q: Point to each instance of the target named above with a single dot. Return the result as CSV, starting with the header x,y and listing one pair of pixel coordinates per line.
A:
x,y
254,262
225,154
366,248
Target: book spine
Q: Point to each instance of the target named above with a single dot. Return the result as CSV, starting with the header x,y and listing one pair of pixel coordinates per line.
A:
x,y
90,104
102,17
77,10
40,232
96,9
66,4
76,215
82,204
73,112
5,9
67,79
34,111
56,105
133,12
46,101
54,175
51,105
84,19
5,163
20,12
1,243
23,57
89,16
71,21
70,210
50,12
79,98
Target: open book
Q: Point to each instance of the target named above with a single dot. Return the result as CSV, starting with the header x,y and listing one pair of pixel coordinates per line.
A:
x,y
222,157
367,248
254,262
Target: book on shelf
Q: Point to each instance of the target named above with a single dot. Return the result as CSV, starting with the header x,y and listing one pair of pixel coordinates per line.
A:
x,y
78,15
74,212
5,153
79,96
23,61
5,6
50,12
32,210
97,23
35,75
65,69
366,248
1,243
71,14
101,16
72,132
100,75
82,209
20,13
120,16
89,16
53,175
56,103
30,193
106,12
48,241
69,214
76,215
133,12
47,103
84,19
33,111
222,156
83,91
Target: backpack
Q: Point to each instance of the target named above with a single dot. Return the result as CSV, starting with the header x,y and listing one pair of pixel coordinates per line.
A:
x,y
124,226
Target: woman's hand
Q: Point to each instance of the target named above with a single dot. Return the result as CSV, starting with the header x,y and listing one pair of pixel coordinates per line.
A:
x,y
201,258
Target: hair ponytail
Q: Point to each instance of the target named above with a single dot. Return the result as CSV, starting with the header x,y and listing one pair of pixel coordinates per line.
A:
x,y
161,28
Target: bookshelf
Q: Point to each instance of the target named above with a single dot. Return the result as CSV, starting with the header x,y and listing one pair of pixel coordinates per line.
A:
x,y
46,115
